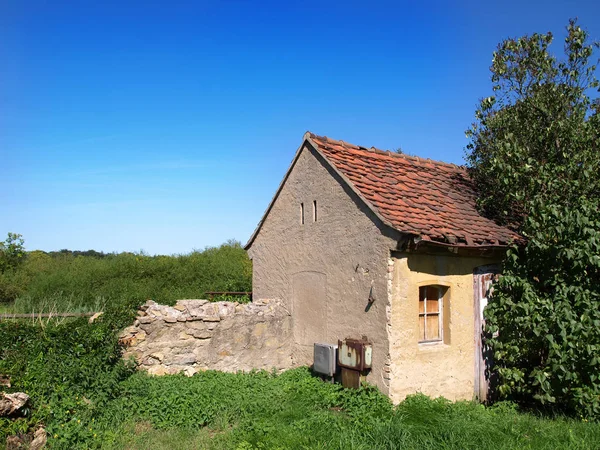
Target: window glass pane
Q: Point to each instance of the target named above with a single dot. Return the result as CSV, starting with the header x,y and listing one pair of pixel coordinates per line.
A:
x,y
421,328
433,293
433,327
433,306
421,306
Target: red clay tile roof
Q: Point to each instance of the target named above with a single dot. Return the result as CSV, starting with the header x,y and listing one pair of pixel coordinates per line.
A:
x,y
432,199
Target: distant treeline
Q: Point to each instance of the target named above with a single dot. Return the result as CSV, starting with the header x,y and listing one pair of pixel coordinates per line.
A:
x,y
92,253
68,280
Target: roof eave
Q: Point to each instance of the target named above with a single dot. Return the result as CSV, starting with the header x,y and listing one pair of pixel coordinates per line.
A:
x,y
418,245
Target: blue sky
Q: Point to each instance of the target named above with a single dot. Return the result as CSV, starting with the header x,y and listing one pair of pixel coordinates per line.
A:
x,y
167,126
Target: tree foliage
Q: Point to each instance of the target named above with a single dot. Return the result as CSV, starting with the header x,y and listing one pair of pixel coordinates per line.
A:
x,y
534,156
12,252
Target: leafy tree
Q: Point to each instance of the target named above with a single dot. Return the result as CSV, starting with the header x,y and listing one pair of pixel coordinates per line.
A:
x,y
534,157
12,252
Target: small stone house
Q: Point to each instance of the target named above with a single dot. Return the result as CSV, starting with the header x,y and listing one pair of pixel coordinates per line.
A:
x,y
362,242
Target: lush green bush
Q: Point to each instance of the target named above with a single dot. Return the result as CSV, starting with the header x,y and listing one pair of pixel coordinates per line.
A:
x,y
12,254
65,281
535,158
69,368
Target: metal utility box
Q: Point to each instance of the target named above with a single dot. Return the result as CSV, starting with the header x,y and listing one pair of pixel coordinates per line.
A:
x,y
325,359
355,354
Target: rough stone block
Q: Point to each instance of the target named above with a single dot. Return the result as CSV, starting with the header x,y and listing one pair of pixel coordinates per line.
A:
x,y
150,361
211,319
179,343
184,359
153,326
196,325
158,370
190,371
202,334
259,329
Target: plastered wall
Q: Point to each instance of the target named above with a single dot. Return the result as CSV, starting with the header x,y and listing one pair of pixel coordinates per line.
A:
x,y
439,369
324,271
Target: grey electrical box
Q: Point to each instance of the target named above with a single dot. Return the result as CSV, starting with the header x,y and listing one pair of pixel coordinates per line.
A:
x,y
325,359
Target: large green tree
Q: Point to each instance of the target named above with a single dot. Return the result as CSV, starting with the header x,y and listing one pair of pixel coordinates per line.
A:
x,y
534,157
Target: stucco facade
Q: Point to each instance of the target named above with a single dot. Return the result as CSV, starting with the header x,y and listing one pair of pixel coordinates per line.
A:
x,y
325,270
445,368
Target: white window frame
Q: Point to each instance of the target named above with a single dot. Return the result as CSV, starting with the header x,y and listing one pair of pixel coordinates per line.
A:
x,y
424,314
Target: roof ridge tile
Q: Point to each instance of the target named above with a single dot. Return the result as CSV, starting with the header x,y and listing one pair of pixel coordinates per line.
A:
x,y
385,152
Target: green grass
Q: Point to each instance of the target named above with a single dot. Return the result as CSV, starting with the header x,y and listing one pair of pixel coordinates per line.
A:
x,y
87,397
296,410
142,436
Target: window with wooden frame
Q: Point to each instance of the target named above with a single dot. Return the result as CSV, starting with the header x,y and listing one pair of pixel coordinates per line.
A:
x,y
433,306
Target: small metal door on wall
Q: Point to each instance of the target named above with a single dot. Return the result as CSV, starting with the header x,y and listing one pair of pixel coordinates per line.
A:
x,y
483,277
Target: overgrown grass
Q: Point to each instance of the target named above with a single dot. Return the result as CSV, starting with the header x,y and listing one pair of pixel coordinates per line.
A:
x,y
87,397
297,411
67,282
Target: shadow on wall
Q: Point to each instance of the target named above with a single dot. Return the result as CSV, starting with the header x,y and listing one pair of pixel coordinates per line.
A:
x,y
440,265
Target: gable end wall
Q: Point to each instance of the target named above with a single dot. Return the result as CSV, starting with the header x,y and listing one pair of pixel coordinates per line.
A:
x,y
324,271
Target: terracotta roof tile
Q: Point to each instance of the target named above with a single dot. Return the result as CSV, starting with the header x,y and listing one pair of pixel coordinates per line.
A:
x,y
414,195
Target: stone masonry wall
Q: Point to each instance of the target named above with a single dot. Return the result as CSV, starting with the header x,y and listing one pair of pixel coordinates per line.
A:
x,y
197,335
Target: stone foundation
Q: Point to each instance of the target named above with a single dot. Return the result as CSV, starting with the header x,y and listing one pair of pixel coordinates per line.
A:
x,y
197,335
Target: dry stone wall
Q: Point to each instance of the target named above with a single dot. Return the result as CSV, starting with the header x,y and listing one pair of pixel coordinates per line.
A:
x,y
197,335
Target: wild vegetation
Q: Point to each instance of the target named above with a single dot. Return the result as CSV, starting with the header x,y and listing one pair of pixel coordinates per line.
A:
x,y
535,158
88,398
87,281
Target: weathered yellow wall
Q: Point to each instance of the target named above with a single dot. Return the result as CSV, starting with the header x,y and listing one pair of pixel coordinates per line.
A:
x,y
435,369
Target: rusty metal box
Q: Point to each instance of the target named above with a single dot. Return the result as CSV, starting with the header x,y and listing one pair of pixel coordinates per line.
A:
x,y
355,354
325,356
